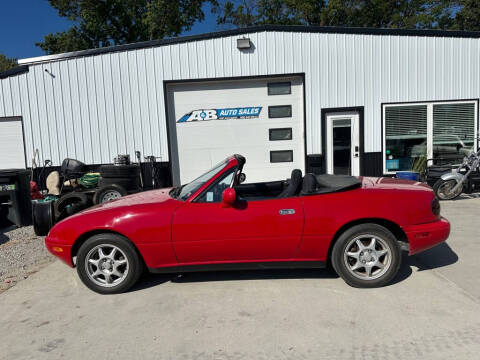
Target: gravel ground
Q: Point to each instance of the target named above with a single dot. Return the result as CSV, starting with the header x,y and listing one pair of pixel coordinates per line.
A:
x,y
21,253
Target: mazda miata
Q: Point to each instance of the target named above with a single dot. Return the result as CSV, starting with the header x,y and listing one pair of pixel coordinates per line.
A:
x,y
359,225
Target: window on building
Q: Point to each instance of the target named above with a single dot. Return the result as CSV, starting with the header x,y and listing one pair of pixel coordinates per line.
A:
x,y
414,133
280,134
278,156
280,111
453,132
280,88
405,136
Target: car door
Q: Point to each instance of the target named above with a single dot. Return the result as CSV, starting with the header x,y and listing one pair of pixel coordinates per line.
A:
x,y
261,230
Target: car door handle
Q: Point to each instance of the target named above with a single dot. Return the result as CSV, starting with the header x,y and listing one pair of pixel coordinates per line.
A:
x,y
286,211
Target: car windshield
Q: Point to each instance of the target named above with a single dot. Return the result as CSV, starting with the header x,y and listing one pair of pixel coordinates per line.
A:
x,y
185,191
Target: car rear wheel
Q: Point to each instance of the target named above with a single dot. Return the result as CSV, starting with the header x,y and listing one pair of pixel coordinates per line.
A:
x,y
366,255
108,264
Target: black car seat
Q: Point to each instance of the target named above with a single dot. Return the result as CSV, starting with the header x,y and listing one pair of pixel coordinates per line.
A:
x,y
294,185
309,184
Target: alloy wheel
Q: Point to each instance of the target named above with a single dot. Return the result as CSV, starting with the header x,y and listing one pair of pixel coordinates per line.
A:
x,y
106,265
367,257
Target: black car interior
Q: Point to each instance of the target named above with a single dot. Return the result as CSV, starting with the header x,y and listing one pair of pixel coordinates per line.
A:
x,y
310,184
293,186
260,191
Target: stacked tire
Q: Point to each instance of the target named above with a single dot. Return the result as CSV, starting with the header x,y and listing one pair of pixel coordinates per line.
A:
x,y
116,181
43,216
127,176
3,215
70,204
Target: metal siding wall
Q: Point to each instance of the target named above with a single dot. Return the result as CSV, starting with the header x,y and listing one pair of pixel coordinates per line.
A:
x,y
95,107
91,108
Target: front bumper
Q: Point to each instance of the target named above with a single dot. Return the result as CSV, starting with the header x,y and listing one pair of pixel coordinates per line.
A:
x,y
425,236
63,252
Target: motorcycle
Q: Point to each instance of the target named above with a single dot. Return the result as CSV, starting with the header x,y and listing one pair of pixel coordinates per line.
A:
x,y
465,178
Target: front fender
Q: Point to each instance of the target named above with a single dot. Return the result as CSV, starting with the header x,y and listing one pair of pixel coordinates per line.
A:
x,y
452,176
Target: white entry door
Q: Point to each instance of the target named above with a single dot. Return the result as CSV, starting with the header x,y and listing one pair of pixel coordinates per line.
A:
x,y
343,143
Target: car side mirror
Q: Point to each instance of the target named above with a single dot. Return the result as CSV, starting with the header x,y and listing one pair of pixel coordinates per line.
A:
x,y
242,178
229,196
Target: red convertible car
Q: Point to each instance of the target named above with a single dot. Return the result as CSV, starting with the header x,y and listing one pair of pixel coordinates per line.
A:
x,y
358,225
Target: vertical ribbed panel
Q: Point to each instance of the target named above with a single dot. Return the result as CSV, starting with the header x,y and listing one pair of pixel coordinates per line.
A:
x,y
95,107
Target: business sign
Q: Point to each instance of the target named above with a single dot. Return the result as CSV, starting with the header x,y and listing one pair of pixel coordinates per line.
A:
x,y
221,114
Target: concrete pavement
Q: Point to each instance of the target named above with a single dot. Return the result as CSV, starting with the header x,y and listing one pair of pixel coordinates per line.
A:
x,y
431,311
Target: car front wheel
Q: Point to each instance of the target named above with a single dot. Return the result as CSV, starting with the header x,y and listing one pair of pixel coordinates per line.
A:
x,y
108,264
366,256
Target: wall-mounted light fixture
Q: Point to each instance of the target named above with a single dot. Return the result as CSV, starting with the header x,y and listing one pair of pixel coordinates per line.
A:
x,y
244,44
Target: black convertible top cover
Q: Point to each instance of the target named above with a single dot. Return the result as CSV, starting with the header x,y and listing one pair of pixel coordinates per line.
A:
x,y
334,183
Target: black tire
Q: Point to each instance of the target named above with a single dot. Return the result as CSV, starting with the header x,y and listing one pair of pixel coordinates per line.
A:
x,y
134,263
3,216
104,194
126,183
440,196
119,171
347,239
70,204
43,217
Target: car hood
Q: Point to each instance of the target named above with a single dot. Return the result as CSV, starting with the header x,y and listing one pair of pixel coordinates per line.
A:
x,y
141,198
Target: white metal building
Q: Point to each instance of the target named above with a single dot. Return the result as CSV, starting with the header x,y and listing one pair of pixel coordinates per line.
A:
x,y
337,100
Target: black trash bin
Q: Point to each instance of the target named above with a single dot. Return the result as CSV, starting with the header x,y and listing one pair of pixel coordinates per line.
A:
x,y
15,202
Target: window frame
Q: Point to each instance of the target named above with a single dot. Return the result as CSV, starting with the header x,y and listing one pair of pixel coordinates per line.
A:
x,y
271,130
280,106
279,82
429,105
280,162
213,184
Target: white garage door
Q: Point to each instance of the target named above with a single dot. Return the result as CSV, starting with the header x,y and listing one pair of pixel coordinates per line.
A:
x,y
12,151
261,119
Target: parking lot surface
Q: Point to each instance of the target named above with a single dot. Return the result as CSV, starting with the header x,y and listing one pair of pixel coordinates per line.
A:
x,y
431,311
21,254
